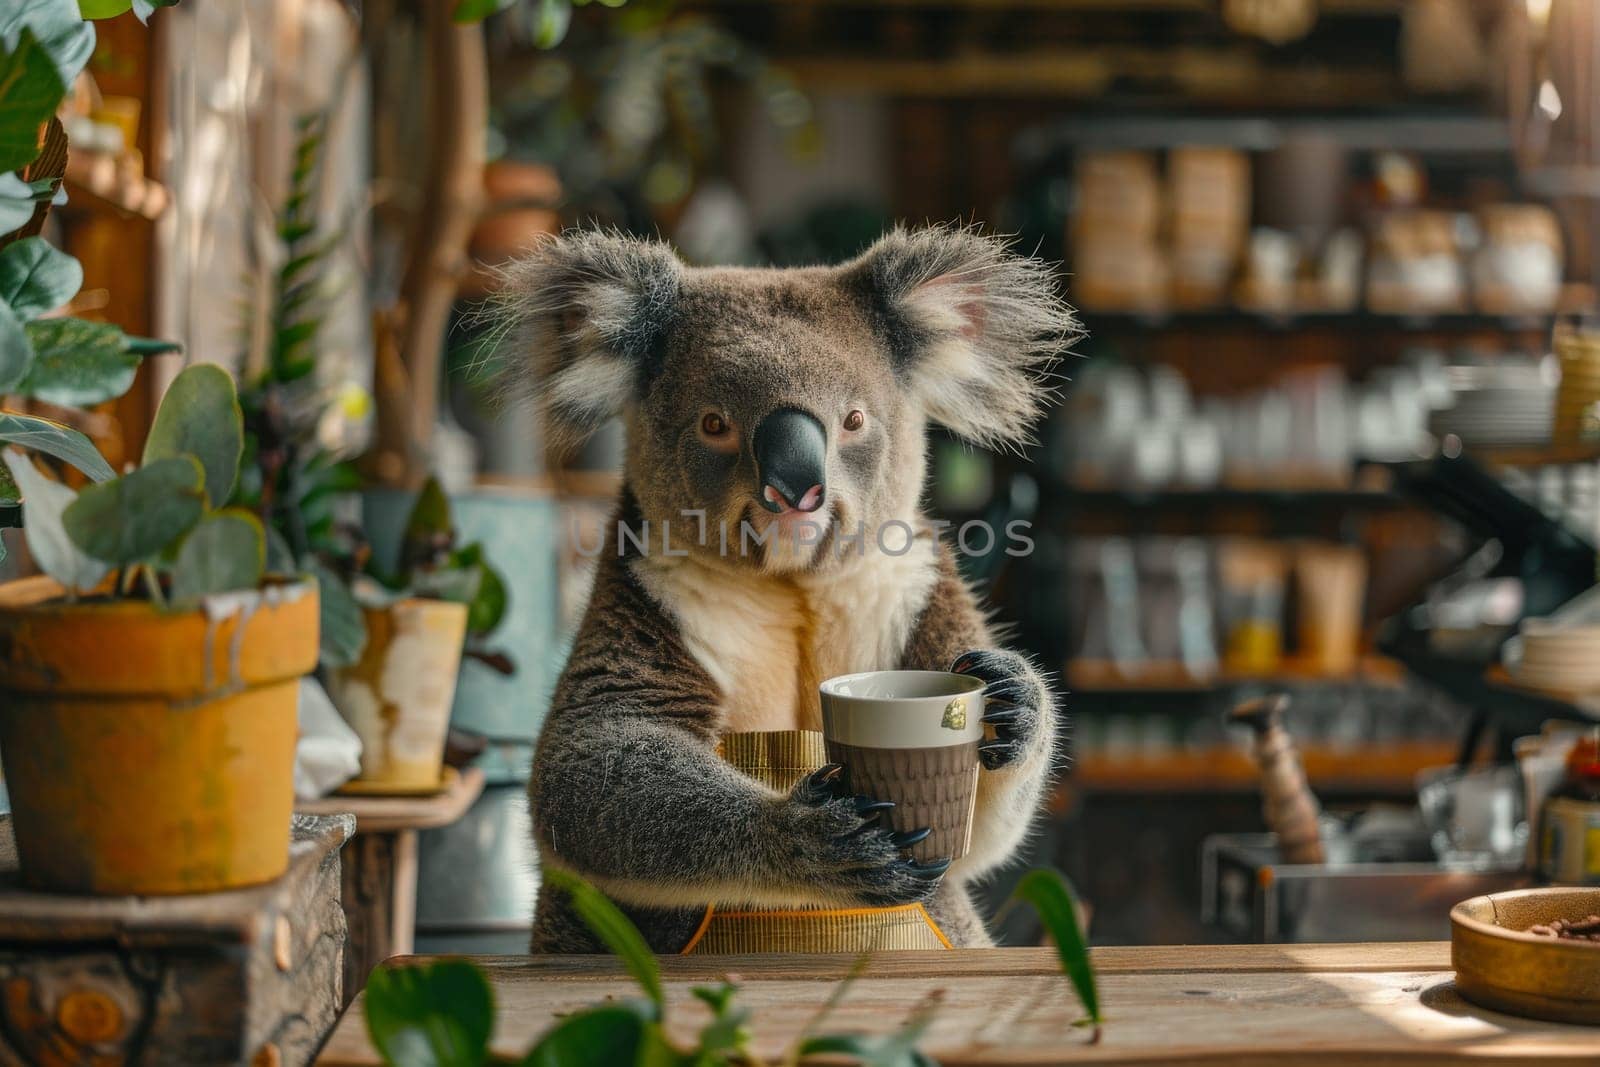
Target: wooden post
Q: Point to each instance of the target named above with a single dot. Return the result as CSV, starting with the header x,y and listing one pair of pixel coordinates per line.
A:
x,y
457,70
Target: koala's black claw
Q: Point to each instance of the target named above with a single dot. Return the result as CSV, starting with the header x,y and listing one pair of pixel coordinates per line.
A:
x,y
866,806
988,665
910,837
997,754
820,786
1007,690
930,871
1000,716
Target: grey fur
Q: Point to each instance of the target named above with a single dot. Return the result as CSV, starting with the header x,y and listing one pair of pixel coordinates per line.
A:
x,y
627,788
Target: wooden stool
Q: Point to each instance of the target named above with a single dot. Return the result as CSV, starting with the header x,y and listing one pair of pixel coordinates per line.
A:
x,y
380,868
247,976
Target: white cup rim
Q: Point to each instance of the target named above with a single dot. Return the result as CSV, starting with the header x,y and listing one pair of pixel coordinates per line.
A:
x,y
956,685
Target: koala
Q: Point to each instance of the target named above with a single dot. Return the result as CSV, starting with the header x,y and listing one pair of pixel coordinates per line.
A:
x,y
760,404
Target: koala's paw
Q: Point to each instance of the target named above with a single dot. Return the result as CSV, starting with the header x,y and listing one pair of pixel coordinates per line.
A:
x,y
1015,701
844,843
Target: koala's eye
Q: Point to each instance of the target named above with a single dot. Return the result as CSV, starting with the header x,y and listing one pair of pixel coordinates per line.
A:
x,y
855,420
713,425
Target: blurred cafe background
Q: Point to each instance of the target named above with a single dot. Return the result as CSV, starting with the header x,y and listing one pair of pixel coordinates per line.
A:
x,y
1329,453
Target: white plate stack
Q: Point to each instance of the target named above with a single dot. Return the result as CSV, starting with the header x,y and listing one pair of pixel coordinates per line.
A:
x,y
1559,659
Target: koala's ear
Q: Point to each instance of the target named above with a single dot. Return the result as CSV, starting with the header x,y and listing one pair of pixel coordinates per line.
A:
x,y
971,326
586,313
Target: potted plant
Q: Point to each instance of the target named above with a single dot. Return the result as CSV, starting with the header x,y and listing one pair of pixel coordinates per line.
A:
x,y
151,674
391,642
398,696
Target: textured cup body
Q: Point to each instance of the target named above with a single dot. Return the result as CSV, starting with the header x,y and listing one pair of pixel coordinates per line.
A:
x,y
933,787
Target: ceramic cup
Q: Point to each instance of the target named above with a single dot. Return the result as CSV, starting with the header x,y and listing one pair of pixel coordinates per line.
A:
x,y
910,737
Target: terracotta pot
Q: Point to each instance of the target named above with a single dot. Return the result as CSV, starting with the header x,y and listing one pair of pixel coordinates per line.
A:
x,y
148,752
398,696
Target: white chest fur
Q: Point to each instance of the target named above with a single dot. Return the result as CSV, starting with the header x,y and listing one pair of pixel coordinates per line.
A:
x,y
768,642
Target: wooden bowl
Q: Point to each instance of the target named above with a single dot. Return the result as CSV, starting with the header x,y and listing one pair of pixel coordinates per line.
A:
x,y
1500,965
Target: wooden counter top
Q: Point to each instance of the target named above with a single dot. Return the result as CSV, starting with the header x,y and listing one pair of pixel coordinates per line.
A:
x,y
1357,1005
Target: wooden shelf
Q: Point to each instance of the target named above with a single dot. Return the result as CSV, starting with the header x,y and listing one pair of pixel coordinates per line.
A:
x,y
1460,322
1375,768
1099,495
1536,456
1587,704
1104,676
96,182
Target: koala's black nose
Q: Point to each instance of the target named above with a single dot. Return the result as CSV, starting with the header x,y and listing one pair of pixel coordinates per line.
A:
x,y
791,460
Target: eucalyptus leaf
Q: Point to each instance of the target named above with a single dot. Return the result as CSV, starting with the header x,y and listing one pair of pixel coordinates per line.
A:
x,y
17,203
30,89
36,277
227,551
78,363
58,27
54,439
609,1034
434,1015
44,502
134,517
344,628
200,417
16,354
145,8
1052,898
612,927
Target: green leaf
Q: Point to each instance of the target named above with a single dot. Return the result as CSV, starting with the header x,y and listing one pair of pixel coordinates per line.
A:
x,y
200,417
611,926
726,1031
17,203
553,18
428,529
103,9
134,517
66,38
54,439
16,354
478,10
869,1050
145,8
226,552
344,628
898,1049
1052,898
609,1034
30,90
484,592
44,501
280,557
438,1015
9,493
78,363
149,346
36,278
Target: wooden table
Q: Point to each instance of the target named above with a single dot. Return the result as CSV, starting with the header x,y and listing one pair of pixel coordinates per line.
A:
x,y
380,868
245,976
1354,1005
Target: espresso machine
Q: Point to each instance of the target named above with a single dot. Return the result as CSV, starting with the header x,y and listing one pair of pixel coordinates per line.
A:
x,y
1377,875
